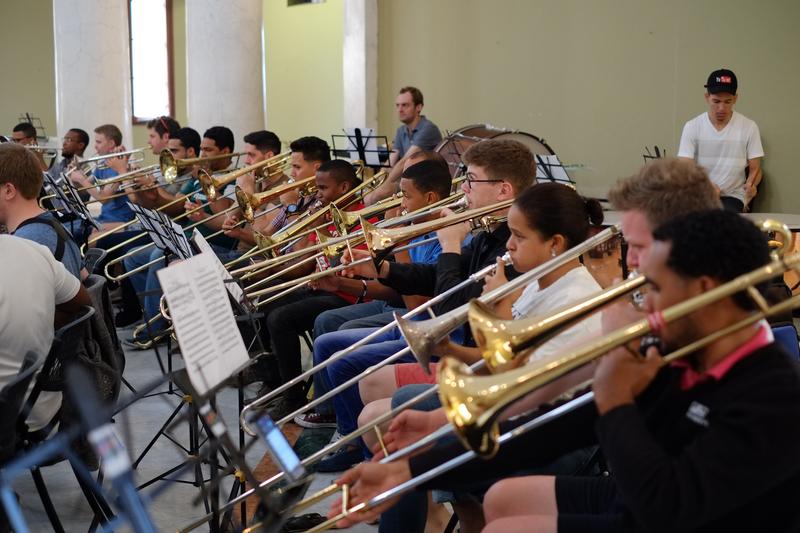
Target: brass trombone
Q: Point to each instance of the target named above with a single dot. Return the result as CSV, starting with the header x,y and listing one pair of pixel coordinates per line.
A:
x,y
454,318
263,169
170,166
472,403
87,166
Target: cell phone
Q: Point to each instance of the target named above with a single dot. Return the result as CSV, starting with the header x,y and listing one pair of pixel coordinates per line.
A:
x,y
278,447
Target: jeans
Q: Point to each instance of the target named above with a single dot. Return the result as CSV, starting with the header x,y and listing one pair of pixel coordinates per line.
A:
x,y
372,314
146,282
729,203
347,403
287,319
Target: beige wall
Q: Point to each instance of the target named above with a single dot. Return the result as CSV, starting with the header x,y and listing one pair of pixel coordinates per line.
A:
x,y
27,59
598,80
303,55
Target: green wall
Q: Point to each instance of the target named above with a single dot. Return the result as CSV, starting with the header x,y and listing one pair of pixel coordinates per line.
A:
x,y
598,80
26,60
303,56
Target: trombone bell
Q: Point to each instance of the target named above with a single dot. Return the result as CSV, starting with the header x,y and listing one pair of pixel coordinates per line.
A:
x,y
463,402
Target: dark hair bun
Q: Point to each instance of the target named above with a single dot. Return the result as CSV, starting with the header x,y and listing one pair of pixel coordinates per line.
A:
x,y
594,210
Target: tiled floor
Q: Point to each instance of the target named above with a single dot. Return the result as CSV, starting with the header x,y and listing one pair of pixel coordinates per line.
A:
x,y
174,507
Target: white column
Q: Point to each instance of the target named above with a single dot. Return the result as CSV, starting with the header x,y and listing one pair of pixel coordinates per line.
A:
x,y
360,63
92,63
224,60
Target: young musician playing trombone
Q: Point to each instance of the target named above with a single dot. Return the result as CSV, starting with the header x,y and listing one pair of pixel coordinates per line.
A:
x,y
497,170
707,443
661,190
422,184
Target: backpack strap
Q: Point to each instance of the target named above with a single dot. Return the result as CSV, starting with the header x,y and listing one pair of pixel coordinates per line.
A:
x,y
62,236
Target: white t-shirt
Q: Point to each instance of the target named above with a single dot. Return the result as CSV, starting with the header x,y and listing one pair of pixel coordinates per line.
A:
x,y
573,287
32,283
724,154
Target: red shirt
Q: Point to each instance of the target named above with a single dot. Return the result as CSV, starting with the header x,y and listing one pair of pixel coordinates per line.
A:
x,y
691,377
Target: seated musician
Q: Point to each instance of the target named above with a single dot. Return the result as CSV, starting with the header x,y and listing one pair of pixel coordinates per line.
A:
x,y
497,170
73,144
707,443
422,184
24,133
115,210
545,221
661,190
217,140
421,187
52,296
260,146
20,183
293,314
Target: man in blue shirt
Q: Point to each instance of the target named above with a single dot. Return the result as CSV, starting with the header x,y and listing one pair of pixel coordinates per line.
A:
x,y
20,183
415,133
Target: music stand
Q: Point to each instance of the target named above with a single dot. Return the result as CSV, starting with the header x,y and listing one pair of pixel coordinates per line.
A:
x,y
549,168
362,144
70,206
650,156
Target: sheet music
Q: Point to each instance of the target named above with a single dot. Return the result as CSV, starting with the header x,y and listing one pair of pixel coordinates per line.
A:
x,y
370,145
549,168
233,288
211,344
165,233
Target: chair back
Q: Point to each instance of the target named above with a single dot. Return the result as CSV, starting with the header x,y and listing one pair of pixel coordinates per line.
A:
x,y
786,336
12,396
92,258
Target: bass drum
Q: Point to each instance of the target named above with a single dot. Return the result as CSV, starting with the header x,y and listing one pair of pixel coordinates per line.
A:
x,y
454,145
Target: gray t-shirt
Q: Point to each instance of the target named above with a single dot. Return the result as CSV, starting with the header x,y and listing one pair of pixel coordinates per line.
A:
x,y
426,135
45,235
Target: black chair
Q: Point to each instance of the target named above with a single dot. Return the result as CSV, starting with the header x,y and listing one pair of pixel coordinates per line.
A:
x,y
11,400
12,396
92,258
65,349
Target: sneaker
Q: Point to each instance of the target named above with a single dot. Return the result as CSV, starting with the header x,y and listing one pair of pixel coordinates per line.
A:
x,y
265,389
125,319
315,420
284,407
345,458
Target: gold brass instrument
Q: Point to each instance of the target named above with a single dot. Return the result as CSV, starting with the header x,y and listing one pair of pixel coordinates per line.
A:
x,y
170,166
263,169
249,203
87,166
46,151
500,341
473,403
305,225
345,220
381,242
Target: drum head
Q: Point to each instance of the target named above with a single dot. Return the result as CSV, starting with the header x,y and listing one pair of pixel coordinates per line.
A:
x,y
454,145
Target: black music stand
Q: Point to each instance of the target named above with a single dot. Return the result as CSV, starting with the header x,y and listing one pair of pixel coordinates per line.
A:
x,y
70,207
549,168
361,144
658,153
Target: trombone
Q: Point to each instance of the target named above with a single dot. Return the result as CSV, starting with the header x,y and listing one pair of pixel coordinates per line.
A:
x,y
402,234
455,318
87,166
511,286
472,403
170,166
263,169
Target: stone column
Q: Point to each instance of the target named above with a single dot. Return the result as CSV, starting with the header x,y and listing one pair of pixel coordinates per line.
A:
x,y
92,64
225,66
360,63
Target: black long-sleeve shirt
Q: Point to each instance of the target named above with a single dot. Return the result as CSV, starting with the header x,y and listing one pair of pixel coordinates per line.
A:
x,y
721,456
450,270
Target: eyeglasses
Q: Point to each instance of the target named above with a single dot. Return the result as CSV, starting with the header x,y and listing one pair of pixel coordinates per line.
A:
x,y
469,181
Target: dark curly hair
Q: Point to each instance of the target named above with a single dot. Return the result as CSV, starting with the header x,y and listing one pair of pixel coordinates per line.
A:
x,y
719,244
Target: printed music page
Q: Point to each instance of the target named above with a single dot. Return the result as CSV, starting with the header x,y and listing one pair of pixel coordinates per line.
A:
x,y
210,342
233,288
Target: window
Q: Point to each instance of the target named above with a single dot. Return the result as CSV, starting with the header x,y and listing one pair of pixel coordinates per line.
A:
x,y
151,58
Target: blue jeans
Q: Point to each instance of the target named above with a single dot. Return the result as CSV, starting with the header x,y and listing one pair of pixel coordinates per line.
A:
x,y
348,404
372,314
147,282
